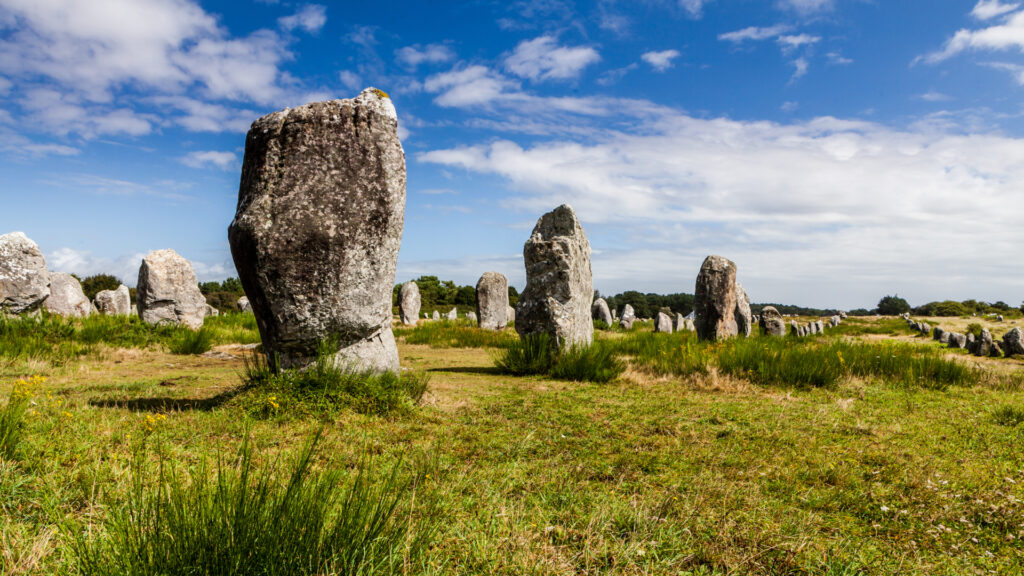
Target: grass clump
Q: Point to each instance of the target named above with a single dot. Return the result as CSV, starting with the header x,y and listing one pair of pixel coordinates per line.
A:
x,y
1009,416
454,334
778,361
326,386
677,354
534,355
254,518
12,417
192,342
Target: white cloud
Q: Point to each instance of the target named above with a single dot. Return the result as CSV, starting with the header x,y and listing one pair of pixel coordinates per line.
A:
x,y
791,42
790,106
806,7
837,59
815,202
695,8
310,18
661,60
468,86
412,56
543,59
933,96
125,267
612,76
988,9
800,67
754,33
211,158
1001,37
93,49
202,116
1016,70
63,114
350,80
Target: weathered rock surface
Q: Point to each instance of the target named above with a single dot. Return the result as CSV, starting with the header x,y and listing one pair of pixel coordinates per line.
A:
x,y
453,314
471,316
715,300
318,226
492,301
983,345
937,333
559,282
772,323
663,323
244,305
24,279
680,322
211,311
510,314
436,316
744,318
168,291
114,302
1013,342
409,302
628,317
599,311
957,340
66,297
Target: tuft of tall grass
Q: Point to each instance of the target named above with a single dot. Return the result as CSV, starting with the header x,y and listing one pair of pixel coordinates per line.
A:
x,y
327,386
534,354
1008,415
255,518
780,361
12,417
454,334
192,342
676,354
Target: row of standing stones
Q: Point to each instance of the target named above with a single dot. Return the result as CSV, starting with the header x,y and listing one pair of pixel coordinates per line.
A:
x,y
315,241
982,345
167,291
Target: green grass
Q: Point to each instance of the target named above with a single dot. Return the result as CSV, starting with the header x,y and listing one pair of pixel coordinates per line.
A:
x,y
1008,416
533,355
12,416
460,333
191,342
246,517
676,354
326,388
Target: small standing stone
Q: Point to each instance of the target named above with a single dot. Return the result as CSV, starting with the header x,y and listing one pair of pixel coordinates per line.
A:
x,y
409,303
744,319
600,311
663,323
1013,342
772,323
114,302
24,279
715,299
471,316
680,322
66,297
957,340
492,301
243,305
437,315
211,311
511,314
453,314
983,345
168,291
628,317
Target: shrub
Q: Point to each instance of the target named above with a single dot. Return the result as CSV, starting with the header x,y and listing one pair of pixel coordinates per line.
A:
x,y
526,356
250,518
327,386
974,328
594,363
892,306
191,342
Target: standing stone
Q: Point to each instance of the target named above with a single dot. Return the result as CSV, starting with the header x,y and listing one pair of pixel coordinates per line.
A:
x,y
66,297
842,315
628,317
559,282
772,323
318,226
409,302
744,321
680,323
663,323
436,316
600,311
926,328
937,333
819,326
983,345
24,279
794,328
714,300
168,291
211,311
492,301
957,340
996,351
471,316
510,314
690,326
114,302
453,314
969,342
835,321
1013,342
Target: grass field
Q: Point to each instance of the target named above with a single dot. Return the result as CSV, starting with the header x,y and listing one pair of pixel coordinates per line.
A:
x,y
696,460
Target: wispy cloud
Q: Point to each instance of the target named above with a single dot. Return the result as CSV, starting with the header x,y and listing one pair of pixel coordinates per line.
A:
x,y
310,18
211,158
544,59
660,60
412,56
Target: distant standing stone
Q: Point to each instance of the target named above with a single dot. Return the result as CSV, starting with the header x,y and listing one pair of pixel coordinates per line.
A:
x,y
680,323
559,282
983,345
409,303
628,317
66,297
114,302
937,333
452,314
772,323
819,326
1013,342
168,291
211,311
471,316
243,304
957,340
511,314
663,323
599,311
316,234
492,301
24,279
744,319
969,342
437,315
714,299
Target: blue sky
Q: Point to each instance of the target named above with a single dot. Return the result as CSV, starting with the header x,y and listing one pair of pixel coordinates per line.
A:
x,y
836,150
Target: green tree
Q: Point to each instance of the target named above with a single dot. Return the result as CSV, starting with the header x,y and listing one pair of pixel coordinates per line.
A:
x,y
893,306
465,296
93,285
